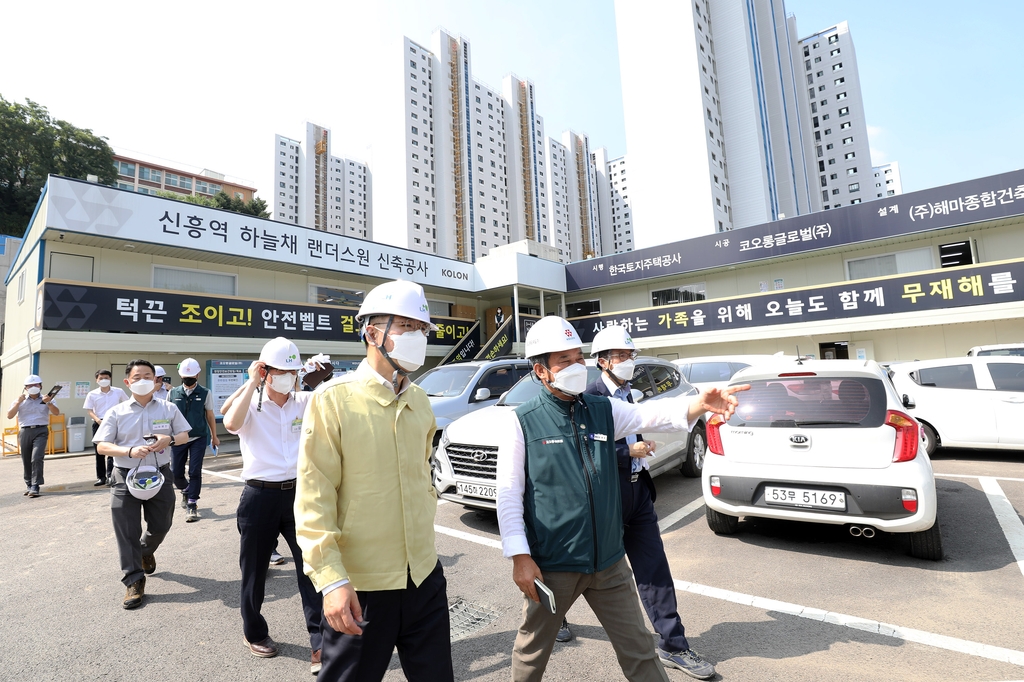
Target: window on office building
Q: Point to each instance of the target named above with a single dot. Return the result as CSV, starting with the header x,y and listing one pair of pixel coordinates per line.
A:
x,y
684,294
198,281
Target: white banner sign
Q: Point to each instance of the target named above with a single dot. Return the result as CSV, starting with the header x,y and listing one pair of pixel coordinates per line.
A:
x,y
85,208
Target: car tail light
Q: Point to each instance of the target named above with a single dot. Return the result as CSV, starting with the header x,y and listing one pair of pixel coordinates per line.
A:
x,y
716,486
910,500
907,435
798,374
714,436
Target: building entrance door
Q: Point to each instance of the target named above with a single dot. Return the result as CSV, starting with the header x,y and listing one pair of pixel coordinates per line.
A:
x,y
837,350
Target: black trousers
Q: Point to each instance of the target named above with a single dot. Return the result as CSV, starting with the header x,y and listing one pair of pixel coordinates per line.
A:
x,y
414,619
262,514
646,553
103,469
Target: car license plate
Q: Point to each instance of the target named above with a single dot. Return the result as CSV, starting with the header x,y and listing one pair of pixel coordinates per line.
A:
x,y
799,497
471,489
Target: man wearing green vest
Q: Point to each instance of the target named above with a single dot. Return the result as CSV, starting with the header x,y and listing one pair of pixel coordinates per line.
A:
x,y
196,403
559,503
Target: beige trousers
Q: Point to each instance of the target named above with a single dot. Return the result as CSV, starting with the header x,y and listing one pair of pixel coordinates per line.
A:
x,y
613,597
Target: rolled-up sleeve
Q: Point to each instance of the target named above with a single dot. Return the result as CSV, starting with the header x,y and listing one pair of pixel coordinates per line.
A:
x,y
316,499
655,416
511,486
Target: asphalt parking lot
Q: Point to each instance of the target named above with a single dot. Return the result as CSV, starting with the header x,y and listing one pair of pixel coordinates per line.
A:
x,y
779,600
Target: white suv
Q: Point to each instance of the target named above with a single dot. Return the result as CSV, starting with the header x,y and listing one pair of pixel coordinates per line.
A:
x,y
825,441
465,462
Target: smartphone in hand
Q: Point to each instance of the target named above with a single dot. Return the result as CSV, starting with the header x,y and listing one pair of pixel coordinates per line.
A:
x,y
54,391
547,597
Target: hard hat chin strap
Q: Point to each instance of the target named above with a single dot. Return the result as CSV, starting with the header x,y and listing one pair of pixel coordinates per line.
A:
x,y
394,365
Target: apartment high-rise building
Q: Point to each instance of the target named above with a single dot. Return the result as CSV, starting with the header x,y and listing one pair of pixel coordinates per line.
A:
x,y
764,125
318,190
887,181
835,122
614,204
461,167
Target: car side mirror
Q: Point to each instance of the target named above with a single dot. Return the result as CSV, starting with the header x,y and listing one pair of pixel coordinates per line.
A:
x,y
636,395
482,394
908,402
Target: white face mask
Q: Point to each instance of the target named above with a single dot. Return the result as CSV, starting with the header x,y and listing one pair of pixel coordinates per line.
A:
x,y
410,350
103,382
624,370
142,387
282,383
571,380
33,390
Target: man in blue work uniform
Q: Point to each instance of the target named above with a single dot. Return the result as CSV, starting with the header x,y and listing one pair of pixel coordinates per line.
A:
x,y
615,352
196,404
559,500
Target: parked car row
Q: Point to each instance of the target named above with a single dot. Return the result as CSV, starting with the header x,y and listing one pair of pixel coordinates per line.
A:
x,y
841,442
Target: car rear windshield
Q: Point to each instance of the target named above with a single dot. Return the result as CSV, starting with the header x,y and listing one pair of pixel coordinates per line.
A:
x,y
812,402
446,381
1018,352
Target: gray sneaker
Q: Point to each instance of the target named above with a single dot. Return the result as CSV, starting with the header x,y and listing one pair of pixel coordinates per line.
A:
x,y
191,514
564,633
689,662
276,559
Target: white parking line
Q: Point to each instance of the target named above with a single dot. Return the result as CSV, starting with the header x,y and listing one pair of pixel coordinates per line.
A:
x,y
995,478
219,474
462,535
680,514
873,626
1012,527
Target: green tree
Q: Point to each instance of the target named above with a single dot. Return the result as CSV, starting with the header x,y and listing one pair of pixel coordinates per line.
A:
x,y
254,207
34,145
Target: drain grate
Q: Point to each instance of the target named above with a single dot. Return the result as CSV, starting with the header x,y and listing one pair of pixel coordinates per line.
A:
x,y
468,617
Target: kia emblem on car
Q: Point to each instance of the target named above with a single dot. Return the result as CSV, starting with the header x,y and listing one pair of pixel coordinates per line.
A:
x,y
479,455
798,439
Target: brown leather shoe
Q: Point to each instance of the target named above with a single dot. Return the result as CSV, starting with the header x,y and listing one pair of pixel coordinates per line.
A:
x,y
136,591
265,648
148,563
314,662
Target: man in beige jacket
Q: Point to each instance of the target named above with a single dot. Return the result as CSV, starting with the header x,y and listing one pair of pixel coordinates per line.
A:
x,y
365,505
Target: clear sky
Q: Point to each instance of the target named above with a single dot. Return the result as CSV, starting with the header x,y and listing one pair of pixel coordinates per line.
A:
x,y
209,85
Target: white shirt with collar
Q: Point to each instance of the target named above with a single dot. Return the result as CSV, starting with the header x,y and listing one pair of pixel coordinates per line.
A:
x,y
269,438
101,403
126,423
635,463
657,416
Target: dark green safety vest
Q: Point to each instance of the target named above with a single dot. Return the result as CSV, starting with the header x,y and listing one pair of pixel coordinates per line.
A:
x,y
193,408
572,505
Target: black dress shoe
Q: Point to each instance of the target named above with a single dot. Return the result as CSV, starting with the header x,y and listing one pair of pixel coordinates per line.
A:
x,y
148,563
265,648
99,482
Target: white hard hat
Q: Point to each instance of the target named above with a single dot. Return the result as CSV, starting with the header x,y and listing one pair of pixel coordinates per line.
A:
x,y
611,338
144,481
159,371
280,353
189,367
33,379
396,298
551,335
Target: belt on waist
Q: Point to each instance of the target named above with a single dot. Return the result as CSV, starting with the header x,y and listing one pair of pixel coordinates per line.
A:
x,y
274,485
35,426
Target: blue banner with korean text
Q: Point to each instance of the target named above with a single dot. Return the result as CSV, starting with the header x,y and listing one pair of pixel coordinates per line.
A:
x,y
93,308
933,290
983,199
